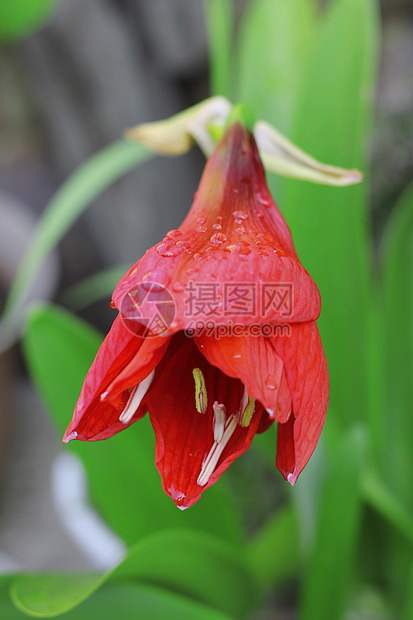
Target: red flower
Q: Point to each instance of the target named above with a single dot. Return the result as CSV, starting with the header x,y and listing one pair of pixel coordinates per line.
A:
x,y
255,356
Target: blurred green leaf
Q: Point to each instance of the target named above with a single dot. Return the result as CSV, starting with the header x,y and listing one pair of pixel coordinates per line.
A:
x,y
274,551
126,601
407,613
75,195
397,270
219,16
125,484
332,122
274,49
329,570
387,505
93,288
196,565
19,18
7,610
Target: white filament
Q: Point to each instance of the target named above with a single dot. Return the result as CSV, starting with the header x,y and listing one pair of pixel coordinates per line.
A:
x,y
217,449
135,398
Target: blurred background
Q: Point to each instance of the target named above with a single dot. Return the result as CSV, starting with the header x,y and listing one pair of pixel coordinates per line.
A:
x,y
68,88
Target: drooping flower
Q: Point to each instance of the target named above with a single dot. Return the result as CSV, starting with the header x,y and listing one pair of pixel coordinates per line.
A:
x,y
216,336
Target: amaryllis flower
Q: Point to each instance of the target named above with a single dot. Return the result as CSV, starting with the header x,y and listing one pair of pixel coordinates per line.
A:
x,y
216,336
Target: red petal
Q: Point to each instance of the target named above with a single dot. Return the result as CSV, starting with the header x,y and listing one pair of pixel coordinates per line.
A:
x,y
95,419
307,377
184,437
233,234
254,362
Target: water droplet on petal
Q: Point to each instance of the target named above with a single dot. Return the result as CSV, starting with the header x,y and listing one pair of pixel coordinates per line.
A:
x,y
219,217
240,215
192,270
218,238
240,230
271,386
173,233
236,357
201,220
217,227
197,256
112,304
264,200
201,229
168,249
259,213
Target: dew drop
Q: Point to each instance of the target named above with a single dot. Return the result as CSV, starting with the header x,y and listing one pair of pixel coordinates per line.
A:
x,y
237,357
219,217
263,199
173,233
192,270
168,249
240,230
240,215
197,256
201,229
201,220
259,213
271,386
217,227
218,238
112,304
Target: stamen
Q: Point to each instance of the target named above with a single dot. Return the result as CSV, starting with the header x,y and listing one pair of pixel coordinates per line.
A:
x,y
135,398
219,421
246,410
248,413
217,449
244,402
201,397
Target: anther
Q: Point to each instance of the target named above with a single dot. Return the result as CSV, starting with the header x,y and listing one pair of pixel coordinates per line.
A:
x,y
201,397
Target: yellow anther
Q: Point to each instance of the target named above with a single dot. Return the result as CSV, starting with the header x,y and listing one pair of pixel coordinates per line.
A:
x,y
248,413
201,397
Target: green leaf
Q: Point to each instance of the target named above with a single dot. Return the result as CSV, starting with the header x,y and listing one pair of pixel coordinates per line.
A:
x,y
330,567
94,288
332,122
124,482
19,18
397,271
274,48
274,552
407,613
196,565
126,601
219,16
75,195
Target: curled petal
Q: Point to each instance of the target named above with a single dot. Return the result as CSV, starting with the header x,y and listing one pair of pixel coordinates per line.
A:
x,y
307,378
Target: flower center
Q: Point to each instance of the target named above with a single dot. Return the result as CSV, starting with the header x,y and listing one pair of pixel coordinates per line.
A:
x,y
224,428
